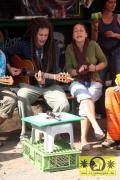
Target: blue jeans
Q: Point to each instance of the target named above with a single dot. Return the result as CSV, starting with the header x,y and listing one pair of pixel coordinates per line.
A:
x,y
113,67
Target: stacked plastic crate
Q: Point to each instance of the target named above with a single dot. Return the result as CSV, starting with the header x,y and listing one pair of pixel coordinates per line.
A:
x,y
62,158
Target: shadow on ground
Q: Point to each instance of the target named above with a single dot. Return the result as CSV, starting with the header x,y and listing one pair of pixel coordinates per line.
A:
x,y
9,156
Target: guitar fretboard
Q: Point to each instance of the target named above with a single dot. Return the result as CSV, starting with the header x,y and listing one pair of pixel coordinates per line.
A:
x,y
61,77
49,76
45,75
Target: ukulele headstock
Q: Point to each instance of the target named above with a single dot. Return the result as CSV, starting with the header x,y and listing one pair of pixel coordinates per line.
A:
x,y
8,80
64,77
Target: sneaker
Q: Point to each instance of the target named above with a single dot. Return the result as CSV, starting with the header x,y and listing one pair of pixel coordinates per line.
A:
x,y
108,143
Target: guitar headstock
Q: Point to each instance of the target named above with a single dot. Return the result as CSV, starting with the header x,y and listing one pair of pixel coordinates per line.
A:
x,y
8,80
64,77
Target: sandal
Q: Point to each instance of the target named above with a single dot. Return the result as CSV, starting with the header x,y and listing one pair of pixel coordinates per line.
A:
x,y
85,147
99,137
118,147
108,143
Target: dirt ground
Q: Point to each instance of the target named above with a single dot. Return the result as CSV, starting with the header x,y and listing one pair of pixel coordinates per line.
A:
x,y
14,167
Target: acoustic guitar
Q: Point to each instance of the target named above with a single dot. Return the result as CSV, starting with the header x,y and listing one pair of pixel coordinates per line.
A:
x,y
20,63
7,80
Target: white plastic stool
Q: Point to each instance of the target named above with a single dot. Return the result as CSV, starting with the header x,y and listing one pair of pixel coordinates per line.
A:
x,y
49,134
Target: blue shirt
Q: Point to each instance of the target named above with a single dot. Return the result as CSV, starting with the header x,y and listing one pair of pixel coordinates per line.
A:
x,y
2,64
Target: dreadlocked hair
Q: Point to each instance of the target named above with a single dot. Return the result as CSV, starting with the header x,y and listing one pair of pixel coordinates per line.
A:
x,y
49,47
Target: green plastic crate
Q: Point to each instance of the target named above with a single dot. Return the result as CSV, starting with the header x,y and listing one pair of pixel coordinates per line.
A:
x,y
62,158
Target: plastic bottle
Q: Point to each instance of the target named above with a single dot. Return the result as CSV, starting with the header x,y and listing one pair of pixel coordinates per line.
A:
x,y
96,16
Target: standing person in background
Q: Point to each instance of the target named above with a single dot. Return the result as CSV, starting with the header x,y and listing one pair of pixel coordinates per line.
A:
x,y
41,49
106,31
84,60
112,106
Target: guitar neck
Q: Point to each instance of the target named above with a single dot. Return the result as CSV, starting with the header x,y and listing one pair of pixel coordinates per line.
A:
x,y
61,77
45,75
49,76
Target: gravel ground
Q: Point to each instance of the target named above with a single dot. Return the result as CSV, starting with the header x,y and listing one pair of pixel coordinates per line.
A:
x,y
14,167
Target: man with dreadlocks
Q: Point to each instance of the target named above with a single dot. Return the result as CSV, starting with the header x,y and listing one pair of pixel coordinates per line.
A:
x,y
38,45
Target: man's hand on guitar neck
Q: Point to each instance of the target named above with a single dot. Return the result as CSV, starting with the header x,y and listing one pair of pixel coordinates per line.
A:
x,y
14,71
40,77
61,77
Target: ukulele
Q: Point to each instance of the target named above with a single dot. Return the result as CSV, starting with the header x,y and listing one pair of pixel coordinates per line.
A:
x,y
7,80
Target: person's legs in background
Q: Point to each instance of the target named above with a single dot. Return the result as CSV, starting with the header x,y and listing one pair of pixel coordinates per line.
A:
x,y
116,58
103,75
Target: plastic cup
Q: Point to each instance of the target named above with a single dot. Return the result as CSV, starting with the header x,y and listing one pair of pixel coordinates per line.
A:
x,y
118,78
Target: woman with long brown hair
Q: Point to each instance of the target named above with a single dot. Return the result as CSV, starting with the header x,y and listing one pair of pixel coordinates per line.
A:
x,y
84,60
